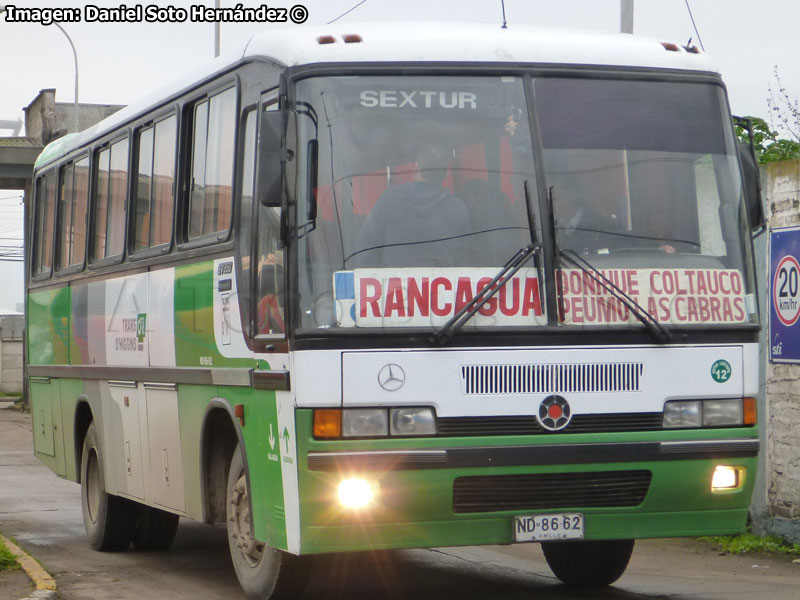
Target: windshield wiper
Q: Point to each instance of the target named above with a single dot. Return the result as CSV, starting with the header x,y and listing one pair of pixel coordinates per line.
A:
x,y
656,329
446,331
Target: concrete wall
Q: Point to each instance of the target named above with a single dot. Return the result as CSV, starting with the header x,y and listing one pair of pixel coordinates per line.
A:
x,y
780,417
12,329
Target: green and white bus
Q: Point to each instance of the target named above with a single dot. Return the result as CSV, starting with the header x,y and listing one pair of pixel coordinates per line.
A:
x,y
403,286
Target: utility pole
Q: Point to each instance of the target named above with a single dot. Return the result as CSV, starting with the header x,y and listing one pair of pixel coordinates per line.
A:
x,y
216,31
626,16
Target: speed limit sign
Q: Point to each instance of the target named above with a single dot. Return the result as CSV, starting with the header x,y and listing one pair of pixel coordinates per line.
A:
x,y
786,290
784,295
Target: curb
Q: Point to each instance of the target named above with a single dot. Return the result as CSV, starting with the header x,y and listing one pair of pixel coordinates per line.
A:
x,y
45,584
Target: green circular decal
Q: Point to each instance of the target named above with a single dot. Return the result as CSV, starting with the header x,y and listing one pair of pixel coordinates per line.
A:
x,y
721,371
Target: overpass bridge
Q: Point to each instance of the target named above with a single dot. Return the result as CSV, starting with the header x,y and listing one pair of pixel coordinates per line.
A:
x,y
45,121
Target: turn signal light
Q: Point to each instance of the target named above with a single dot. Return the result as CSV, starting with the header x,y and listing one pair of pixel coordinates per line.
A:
x,y
327,423
750,411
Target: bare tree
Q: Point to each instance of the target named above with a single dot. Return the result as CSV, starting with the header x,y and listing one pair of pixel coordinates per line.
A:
x,y
784,111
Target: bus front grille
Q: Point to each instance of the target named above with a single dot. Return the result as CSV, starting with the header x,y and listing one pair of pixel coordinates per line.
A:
x,y
527,424
550,491
551,378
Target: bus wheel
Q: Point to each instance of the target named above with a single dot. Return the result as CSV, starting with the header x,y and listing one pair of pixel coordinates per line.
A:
x,y
263,572
108,519
588,563
155,528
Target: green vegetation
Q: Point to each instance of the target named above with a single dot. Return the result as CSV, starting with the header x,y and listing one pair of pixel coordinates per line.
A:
x,y
22,406
751,544
769,147
7,560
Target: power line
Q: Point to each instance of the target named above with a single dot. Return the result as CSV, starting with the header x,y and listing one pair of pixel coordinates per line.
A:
x,y
347,12
691,16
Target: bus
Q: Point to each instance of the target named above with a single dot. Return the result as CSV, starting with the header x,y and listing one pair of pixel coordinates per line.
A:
x,y
383,286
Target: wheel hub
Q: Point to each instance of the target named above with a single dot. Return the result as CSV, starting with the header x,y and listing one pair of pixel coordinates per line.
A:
x,y
240,529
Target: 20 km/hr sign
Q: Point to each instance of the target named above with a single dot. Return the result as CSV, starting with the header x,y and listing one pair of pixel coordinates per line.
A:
x,y
784,312
786,290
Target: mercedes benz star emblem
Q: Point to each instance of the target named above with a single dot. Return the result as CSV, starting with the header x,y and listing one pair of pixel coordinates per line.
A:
x,y
391,377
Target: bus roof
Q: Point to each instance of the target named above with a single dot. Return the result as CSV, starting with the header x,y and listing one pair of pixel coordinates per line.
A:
x,y
413,42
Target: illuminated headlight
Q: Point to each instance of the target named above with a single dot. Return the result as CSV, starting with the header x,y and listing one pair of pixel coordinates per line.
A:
x,y
683,413
726,478
357,493
365,422
413,421
717,413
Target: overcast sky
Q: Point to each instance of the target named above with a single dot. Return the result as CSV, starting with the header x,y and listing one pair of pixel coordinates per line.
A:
x,y
120,62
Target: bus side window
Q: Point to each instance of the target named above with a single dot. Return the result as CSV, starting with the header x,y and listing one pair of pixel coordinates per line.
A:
x,y
155,179
44,225
72,200
213,132
110,193
270,312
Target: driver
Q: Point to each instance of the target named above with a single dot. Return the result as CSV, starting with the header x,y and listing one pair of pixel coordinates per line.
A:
x,y
418,223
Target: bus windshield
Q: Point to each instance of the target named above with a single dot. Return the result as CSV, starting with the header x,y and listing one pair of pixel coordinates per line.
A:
x,y
419,184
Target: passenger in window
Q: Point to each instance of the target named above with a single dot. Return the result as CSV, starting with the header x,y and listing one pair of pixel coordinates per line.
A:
x,y
270,306
417,223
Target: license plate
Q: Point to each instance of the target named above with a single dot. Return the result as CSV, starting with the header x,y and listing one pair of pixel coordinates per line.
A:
x,y
540,528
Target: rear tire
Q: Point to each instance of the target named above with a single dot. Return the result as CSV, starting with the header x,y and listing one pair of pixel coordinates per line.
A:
x,y
596,564
263,572
108,519
155,528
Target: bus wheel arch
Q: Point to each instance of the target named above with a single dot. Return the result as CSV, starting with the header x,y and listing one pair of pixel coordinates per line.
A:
x,y
263,572
219,439
83,418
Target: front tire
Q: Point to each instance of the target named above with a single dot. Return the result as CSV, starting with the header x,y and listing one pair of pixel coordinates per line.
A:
x,y
108,519
595,564
263,572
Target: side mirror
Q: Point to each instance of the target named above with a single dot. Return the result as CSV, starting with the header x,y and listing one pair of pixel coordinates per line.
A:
x,y
271,157
750,176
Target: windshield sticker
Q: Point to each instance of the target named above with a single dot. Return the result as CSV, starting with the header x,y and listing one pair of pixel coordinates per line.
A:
x,y
413,297
672,296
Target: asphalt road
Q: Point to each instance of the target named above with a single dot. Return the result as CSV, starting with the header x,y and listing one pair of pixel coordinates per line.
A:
x,y
42,512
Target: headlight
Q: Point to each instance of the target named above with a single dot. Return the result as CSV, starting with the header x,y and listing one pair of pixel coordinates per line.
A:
x,y
717,413
727,478
365,422
413,421
683,413
357,493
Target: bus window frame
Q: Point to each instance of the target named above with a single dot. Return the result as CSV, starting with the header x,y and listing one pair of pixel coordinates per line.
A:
x,y
96,149
172,109
186,125
58,233
38,183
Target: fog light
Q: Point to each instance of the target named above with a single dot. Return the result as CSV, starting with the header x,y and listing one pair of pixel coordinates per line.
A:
x,y
357,493
726,478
